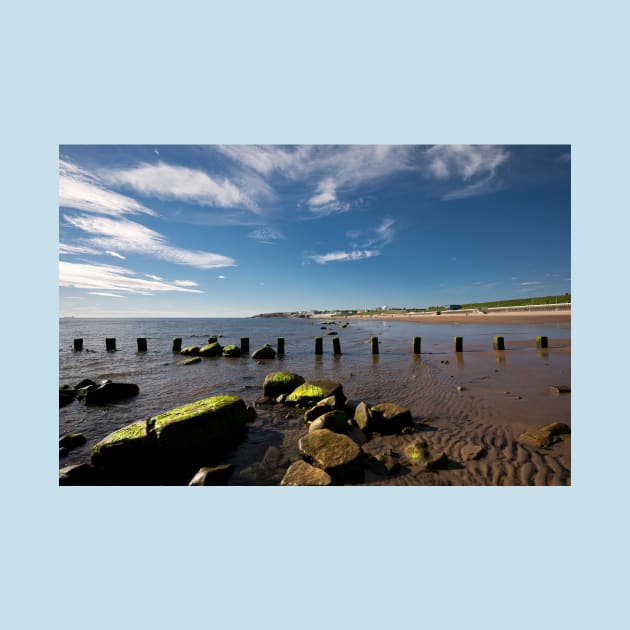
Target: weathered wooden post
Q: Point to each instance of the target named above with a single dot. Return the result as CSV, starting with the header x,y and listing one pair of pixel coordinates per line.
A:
x,y
336,346
142,344
77,345
498,343
416,344
244,345
110,344
459,344
177,344
542,342
374,344
319,345
280,346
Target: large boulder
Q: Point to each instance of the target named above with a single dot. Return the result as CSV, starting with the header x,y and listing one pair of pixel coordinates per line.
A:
x,y
211,350
302,474
310,393
389,418
266,352
545,436
278,383
109,392
334,453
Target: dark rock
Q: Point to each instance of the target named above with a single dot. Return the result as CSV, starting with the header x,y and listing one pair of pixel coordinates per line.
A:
x,y
332,332
335,420
212,476
278,383
210,350
66,396
323,406
251,413
311,392
190,361
127,452
266,352
78,475
84,383
63,452
545,436
389,418
231,351
302,474
264,401
110,392
334,453
72,440
383,463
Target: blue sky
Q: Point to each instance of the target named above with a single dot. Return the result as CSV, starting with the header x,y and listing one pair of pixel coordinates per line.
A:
x,y
236,230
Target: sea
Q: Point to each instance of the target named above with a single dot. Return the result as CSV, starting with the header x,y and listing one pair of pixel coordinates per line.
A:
x,y
164,383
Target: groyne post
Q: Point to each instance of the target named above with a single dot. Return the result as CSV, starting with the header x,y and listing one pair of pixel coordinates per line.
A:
x,y
319,345
177,344
110,344
77,344
142,344
244,345
498,343
374,344
280,346
542,342
459,344
336,346
416,344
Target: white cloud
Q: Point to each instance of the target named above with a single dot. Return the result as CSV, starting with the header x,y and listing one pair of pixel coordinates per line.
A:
x,y
76,249
129,236
326,193
148,275
79,189
267,235
105,294
221,277
526,284
112,278
322,259
186,283
115,254
166,181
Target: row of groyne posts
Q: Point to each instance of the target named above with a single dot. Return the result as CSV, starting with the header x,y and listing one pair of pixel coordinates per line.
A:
x,y
498,344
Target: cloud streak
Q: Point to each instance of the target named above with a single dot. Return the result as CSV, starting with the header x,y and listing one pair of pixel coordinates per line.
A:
x,y
322,259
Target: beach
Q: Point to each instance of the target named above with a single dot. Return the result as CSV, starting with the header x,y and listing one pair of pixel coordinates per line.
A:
x,y
515,317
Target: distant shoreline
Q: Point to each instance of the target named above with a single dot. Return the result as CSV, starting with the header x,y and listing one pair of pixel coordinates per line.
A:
x,y
476,318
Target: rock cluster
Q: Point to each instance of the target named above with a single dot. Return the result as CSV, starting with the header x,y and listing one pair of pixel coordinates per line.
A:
x,y
92,394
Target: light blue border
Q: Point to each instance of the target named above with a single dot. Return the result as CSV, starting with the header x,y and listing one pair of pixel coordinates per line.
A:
x,y
342,72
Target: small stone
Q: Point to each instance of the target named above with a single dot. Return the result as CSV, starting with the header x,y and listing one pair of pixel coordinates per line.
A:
x,y
302,474
461,388
560,389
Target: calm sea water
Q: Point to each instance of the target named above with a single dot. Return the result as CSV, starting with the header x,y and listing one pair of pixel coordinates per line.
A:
x,y
165,384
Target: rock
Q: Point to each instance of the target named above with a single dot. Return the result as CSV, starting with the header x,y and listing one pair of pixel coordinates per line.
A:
x,y
461,388
264,401
66,396
302,474
471,452
190,351
84,383
63,452
311,392
332,332
109,392
127,452
214,476
334,453
545,436
383,463
419,454
363,417
278,383
560,389
78,475
213,339
231,351
71,440
323,406
389,418
336,421
251,413
82,392
210,350
266,352
190,361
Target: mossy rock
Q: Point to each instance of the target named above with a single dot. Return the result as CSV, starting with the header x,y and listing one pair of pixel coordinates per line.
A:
x,y
192,351
211,350
311,392
389,418
278,383
231,351
302,474
190,361
335,454
266,352
545,436
420,454
127,449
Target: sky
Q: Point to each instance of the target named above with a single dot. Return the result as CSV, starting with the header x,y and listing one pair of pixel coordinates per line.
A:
x,y
237,230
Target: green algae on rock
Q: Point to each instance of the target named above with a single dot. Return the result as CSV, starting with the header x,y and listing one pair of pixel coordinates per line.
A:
x,y
266,352
211,350
190,361
125,448
192,351
231,351
311,392
278,383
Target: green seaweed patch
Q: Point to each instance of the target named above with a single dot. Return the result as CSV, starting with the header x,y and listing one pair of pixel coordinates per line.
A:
x,y
191,410
211,350
311,392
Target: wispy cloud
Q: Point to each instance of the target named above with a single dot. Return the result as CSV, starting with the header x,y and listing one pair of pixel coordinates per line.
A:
x,y
474,165
115,254
79,189
112,278
267,235
104,294
186,283
530,283
221,277
76,249
129,236
322,259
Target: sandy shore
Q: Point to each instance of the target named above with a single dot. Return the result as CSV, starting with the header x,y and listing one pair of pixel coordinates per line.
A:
x,y
476,318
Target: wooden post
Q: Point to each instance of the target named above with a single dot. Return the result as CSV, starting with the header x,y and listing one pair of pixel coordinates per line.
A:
x,y
110,344
459,344
542,342
213,339
177,344
78,345
142,344
416,344
244,345
280,347
319,345
374,344
336,346
498,343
